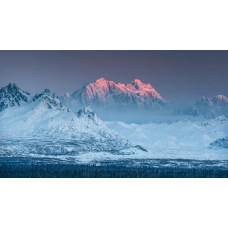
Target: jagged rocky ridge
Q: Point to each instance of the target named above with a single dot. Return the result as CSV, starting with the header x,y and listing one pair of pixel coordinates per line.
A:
x,y
50,99
11,95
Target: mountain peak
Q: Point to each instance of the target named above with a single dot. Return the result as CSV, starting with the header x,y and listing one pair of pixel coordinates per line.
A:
x,y
50,99
101,80
85,111
217,100
12,85
137,84
212,107
108,92
142,89
46,91
88,113
203,101
67,95
137,81
221,97
11,95
220,100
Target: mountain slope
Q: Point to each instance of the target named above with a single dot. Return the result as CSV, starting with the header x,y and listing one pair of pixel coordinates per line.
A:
x,y
11,95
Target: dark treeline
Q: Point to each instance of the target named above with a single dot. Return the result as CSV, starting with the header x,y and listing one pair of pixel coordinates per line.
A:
x,y
92,171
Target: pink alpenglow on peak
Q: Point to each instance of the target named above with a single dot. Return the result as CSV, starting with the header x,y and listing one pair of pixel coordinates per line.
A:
x,y
108,92
67,95
220,100
222,97
101,80
142,89
66,98
217,100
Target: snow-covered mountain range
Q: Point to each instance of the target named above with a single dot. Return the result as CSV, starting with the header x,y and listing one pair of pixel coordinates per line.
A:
x,y
39,121
139,100
44,124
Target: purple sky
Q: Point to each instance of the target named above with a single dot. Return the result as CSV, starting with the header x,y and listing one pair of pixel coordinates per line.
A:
x,y
180,76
